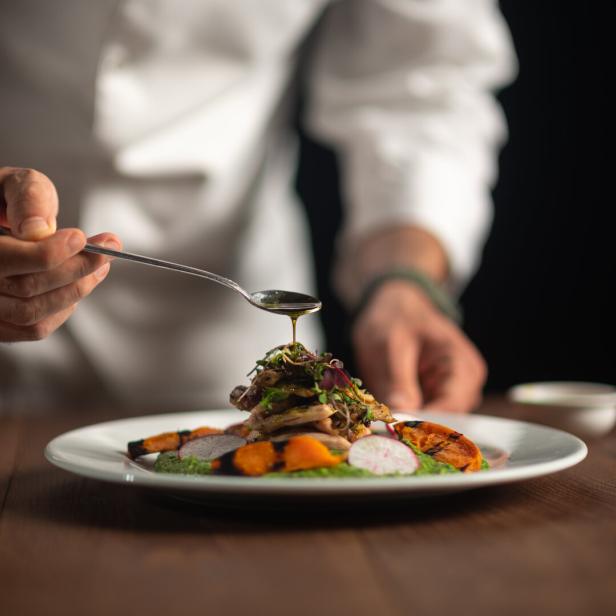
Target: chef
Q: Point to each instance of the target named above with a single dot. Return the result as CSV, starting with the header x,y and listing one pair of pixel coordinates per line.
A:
x,y
164,127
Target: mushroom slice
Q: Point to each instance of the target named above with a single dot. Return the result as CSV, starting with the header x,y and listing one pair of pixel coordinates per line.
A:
x,y
325,425
293,417
267,378
358,431
333,442
298,390
381,412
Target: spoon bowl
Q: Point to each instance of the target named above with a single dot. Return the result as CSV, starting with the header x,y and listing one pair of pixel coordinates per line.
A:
x,y
289,303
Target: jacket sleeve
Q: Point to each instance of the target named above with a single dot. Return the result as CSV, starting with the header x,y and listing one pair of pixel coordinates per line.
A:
x,y
402,90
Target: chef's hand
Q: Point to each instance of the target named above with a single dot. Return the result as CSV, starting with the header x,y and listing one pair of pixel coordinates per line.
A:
x,y
43,273
412,357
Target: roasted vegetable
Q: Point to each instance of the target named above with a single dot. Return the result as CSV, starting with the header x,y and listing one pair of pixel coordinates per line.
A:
x,y
304,452
255,459
167,441
442,443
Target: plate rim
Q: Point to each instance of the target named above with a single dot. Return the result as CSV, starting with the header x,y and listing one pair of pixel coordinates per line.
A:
x,y
136,475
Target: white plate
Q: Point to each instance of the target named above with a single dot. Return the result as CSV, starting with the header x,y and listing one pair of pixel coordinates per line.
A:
x,y
97,451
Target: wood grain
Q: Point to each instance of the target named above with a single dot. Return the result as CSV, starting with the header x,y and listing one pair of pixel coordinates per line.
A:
x,y
76,546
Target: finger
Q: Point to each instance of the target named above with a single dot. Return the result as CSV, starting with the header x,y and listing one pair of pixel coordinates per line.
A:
x,y
106,239
431,379
76,267
28,312
403,390
31,203
453,372
457,389
21,257
389,367
38,331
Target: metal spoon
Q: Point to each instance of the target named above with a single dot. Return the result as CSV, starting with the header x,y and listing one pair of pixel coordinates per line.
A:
x,y
288,303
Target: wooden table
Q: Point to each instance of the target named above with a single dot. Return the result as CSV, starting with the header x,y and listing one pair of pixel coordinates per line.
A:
x,y
77,546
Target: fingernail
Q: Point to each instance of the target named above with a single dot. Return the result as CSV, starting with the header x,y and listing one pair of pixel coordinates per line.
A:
x,y
111,244
34,227
75,242
102,271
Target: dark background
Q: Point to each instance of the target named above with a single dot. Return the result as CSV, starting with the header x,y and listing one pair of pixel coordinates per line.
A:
x,y
540,306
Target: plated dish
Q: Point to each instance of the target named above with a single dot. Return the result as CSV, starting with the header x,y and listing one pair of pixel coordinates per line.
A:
x,y
99,452
309,418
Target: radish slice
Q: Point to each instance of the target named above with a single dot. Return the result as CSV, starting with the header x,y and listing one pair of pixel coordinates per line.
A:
x,y
382,455
391,429
211,446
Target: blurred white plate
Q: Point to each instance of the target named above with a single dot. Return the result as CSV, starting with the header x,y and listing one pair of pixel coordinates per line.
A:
x,y
522,451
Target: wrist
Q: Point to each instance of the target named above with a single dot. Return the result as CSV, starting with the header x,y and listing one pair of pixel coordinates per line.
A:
x,y
405,247
398,248
429,295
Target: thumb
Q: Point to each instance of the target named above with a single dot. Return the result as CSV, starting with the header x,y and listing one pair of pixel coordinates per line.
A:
x,y
31,203
401,389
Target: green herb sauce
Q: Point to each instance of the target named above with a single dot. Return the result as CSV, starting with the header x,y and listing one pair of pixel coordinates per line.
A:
x,y
340,470
170,462
428,465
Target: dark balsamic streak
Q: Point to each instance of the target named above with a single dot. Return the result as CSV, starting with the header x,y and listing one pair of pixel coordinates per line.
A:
x,y
413,424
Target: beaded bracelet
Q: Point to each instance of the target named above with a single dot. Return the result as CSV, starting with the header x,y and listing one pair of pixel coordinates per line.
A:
x,y
437,295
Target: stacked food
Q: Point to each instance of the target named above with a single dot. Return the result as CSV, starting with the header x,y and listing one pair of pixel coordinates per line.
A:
x,y
308,417
296,392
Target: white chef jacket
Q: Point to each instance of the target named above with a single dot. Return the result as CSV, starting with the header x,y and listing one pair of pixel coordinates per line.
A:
x,y
167,122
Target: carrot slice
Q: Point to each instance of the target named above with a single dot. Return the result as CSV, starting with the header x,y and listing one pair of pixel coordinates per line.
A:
x,y
255,459
442,443
305,452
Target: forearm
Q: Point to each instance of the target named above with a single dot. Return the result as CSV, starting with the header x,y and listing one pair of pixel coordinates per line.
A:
x,y
408,247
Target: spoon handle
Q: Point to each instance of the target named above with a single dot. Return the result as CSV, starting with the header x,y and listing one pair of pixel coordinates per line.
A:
x,y
169,265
